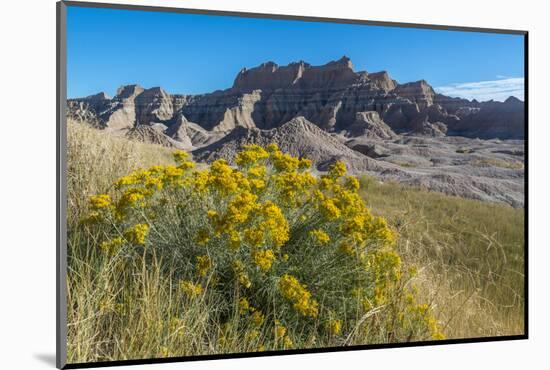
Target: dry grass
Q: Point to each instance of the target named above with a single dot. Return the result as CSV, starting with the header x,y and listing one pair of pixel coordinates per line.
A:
x,y
497,162
404,163
464,150
471,255
95,160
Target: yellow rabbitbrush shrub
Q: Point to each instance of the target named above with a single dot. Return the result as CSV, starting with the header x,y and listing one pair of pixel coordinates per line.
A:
x,y
288,259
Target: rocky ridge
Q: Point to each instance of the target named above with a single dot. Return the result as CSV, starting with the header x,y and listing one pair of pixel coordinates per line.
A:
x,y
331,112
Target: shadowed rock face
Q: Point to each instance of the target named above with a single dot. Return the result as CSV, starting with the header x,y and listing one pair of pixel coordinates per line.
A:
x,y
153,105
328,112
507,121
369,124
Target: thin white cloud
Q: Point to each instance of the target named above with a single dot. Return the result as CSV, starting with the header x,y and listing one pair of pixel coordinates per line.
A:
x,y
498,90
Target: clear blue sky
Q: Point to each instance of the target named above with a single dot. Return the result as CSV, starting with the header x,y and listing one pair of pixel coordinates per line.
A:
x,y
192,54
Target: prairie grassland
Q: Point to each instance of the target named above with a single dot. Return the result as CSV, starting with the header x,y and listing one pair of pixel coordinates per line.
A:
x,y
469,257
95,160
470,253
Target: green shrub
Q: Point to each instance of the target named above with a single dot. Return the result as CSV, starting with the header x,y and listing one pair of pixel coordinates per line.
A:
x,y
262,256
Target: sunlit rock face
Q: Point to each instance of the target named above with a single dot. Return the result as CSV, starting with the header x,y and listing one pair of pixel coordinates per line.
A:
x,y
330,96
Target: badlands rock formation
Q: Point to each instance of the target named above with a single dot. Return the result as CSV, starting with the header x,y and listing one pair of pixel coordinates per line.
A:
x,y
298,137
405,132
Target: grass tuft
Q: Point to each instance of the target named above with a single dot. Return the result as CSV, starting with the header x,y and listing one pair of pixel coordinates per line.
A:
x,y
470,254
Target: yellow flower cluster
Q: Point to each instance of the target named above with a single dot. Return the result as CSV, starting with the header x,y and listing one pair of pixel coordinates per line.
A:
x,y
137,234
131,197
273,227
182,159
256,316
297,293
337,170
100,201
191,289
328,208
257,172
287,342
221,178
283,162
252,335
256,178
156,177
419,315
241,275
289,178
111,247
173,175
263,258
385,268
338,200
251,155
92,218
203,236
381,232
204,264
139,186
244,306
319,237
237,212
334,327
279,330
294,186
430,322
254,236
201,180
281,335
230,222
351,183
247,220
274,224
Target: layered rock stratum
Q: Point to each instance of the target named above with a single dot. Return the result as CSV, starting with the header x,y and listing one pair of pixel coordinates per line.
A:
x,y
403,132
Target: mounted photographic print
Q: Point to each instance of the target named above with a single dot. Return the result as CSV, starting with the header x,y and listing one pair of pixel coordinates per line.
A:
x,y
235,184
